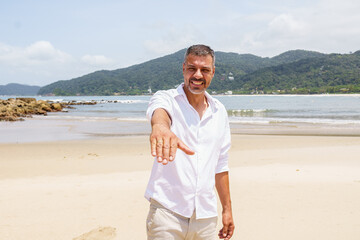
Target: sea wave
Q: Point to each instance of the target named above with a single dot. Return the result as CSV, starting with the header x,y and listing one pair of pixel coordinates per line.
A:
x,y
129,101
320,121
249,121
248,112
57,100
123,101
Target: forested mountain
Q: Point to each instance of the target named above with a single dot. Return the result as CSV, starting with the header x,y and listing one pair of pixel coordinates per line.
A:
x,y
295,55
18,89
332,73
296,71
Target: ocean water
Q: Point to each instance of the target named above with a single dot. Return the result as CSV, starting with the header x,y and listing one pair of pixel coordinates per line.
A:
x,y
303,109
125,115
319,109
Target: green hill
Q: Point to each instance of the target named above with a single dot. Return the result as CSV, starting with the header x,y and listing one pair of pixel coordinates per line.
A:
x,y
332,73
295,55
296,71
18,89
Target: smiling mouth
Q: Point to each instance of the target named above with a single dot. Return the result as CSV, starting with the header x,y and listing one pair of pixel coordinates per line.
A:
x,y
197,82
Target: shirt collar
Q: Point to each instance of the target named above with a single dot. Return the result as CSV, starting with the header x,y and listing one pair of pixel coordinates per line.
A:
x,y
212,103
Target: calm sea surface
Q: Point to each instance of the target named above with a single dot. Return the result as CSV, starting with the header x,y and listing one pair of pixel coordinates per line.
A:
x,y
319,109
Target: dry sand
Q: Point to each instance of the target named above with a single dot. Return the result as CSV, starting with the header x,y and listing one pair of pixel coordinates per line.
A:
x,y
283,187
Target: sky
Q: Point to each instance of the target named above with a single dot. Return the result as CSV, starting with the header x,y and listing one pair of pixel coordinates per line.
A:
x,y
42,42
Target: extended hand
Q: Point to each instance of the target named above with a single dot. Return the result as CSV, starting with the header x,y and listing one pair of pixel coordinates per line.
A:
x,y
164,144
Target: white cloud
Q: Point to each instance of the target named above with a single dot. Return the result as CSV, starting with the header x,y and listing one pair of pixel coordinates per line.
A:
x,y
285,24
172,39
45,51
325,26
96,60
39,53
41,63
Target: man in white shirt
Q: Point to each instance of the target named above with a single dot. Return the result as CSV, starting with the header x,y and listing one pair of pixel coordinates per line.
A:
x,y
181,190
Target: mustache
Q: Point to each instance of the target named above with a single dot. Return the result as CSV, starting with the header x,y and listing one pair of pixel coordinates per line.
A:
x,y
195,79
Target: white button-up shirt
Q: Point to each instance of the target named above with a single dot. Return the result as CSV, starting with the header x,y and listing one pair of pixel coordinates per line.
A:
x,y
187,183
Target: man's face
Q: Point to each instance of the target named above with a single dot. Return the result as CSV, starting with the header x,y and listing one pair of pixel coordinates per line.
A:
x,y
198,72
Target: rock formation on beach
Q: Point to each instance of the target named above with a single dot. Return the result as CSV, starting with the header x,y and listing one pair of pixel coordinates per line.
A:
x,y
15,109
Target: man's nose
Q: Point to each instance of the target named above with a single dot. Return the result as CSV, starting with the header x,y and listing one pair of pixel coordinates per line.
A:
x,y
198,74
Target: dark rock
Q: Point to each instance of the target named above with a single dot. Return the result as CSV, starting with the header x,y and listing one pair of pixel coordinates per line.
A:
x,y
56,106
19,108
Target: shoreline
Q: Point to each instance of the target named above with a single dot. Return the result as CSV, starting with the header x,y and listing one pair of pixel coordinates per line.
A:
x,y
48,128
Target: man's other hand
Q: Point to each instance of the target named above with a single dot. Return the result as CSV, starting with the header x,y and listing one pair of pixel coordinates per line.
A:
x,y
228,226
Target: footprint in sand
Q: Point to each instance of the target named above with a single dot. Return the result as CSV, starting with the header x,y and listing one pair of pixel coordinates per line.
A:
x,y
101,233
93,154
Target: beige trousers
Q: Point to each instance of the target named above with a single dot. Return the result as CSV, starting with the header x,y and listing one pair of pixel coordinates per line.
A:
x,y
162,224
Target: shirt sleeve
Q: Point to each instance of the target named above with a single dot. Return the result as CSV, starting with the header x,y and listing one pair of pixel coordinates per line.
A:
x,y
160,99
222,165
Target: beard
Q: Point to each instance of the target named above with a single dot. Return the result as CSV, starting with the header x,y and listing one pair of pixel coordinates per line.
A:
x,y
197,91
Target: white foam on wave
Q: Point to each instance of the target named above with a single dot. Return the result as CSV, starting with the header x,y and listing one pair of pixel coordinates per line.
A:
x,y
250,121
59,100
249,110
123,101
98,101
129,101
325,121
334,122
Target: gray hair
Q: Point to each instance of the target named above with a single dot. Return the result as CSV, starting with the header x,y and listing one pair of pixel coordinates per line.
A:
x,y
200,50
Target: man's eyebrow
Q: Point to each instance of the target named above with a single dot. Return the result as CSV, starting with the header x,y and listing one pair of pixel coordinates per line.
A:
x,y
203,67
206,68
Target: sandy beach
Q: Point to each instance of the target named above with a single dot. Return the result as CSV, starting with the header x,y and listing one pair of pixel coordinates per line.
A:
x,y
283,187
